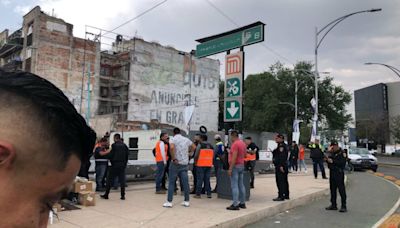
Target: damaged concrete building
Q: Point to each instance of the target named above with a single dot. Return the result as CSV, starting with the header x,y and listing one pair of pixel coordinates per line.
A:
x,y
136,85
45,46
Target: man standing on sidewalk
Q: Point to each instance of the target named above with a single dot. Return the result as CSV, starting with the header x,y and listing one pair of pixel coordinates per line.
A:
x,y
180,148
218,156
236,170
161,151
302,163
203,161
100,155
119,160
250,158
294,155
336,163
280,157
317,156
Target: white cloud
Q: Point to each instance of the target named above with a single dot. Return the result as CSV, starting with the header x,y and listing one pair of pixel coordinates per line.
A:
x,y
5,2
22,10
99,13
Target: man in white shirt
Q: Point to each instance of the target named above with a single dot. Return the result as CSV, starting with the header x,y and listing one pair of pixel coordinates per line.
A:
x,y
180,149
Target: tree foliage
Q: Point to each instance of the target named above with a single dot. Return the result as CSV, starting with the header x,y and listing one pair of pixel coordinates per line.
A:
x,y
395,128
263,93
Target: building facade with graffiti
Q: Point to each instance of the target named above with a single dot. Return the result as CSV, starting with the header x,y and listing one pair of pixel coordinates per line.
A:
x,y
170,86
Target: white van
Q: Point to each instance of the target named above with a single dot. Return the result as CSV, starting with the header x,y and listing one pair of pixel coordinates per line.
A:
x,y
141,143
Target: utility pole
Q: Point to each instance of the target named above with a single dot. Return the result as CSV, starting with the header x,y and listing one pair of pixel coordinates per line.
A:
x,y
88,95
296,89
327,28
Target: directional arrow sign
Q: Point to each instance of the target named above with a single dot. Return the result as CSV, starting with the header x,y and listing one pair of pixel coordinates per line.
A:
x,y
233,110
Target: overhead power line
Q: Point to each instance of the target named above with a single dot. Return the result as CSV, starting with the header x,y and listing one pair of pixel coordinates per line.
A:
x,y
222,13
138,16
237,25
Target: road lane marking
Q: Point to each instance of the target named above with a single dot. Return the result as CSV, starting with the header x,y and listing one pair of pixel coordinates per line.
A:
x,y
379,174
391,211
391,178
392,222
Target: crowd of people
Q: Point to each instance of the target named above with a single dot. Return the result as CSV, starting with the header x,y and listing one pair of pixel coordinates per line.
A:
x,y
47,162
173,154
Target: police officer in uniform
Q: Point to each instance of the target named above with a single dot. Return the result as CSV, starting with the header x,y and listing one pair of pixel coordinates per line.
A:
x,y
280,158
119,159
336,163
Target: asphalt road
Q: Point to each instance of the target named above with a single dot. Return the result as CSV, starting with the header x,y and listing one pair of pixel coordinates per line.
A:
x,y
388,160
389,170
369,199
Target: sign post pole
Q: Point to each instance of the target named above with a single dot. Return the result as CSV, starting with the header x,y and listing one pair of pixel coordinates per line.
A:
x,y
234,67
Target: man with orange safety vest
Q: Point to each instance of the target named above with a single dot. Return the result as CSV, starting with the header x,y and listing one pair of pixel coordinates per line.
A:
x,y
203,160
161,156
250,158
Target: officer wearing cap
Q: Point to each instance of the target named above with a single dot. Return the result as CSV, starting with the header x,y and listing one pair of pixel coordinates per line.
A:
x,y
336,163
280,158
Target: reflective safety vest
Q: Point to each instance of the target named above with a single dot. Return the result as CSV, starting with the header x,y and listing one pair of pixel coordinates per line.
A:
x,y
205,158
159,157
250,157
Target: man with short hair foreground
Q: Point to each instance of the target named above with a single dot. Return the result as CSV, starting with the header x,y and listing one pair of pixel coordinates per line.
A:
x,y
43,141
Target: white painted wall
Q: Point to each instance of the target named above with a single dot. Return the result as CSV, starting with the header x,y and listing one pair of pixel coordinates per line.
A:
x,y
161,86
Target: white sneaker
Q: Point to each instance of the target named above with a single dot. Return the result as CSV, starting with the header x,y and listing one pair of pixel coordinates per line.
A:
x,y
185,204
305,171
167,204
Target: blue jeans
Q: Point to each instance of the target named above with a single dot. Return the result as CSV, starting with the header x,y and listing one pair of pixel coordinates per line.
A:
x,y
320,163
217,168
237,185
159,175
203,176
100,175
302,164
181,171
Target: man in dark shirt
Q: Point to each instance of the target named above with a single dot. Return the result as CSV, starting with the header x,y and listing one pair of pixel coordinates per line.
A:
x,y
100,155
250,158
280,157
317,156
119,159
294,156
336,163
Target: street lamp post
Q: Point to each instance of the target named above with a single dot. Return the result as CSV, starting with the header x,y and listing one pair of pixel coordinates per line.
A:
x,y
392,68
327,28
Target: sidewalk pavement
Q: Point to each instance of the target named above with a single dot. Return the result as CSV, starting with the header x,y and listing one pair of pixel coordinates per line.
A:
x,y
143,208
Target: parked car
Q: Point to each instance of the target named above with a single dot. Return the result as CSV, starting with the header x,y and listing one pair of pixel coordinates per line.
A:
x,y
373,152
360,158
396,153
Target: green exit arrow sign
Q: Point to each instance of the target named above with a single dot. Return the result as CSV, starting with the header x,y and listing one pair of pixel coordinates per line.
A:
x,y
243,36
232,110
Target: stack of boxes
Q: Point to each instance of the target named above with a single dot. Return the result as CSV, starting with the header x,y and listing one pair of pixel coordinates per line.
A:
x,y
85,191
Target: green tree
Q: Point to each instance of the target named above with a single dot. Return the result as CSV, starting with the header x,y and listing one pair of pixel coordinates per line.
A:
x,y
265,91
395,128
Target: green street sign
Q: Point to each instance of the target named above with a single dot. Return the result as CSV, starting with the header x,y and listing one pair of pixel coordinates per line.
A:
x,y
243,36
232,110
233,87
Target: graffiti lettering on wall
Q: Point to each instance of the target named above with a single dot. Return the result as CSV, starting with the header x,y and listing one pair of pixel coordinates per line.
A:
x,y
171,99
169,117
199,81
